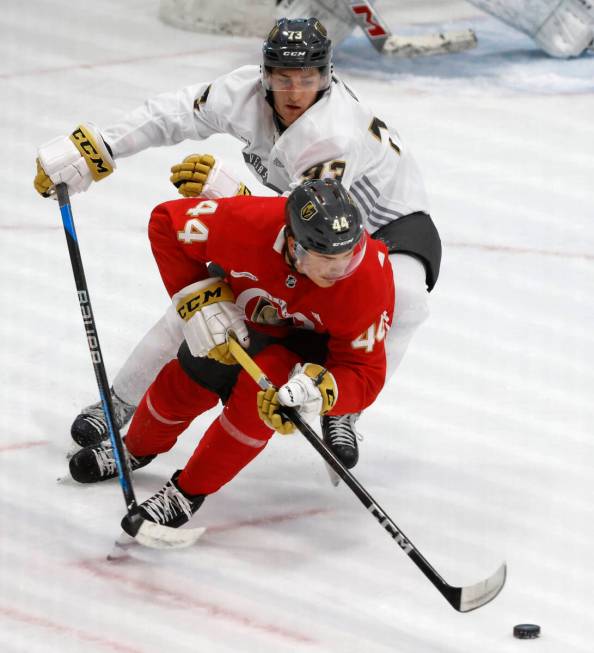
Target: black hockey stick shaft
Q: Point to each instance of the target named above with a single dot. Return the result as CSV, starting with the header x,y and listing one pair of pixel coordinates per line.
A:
x,y
92,336
480,594
452,594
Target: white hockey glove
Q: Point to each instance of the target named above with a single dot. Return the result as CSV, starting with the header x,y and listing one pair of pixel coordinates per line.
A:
x,y
209,312
310,387
201,175
75,160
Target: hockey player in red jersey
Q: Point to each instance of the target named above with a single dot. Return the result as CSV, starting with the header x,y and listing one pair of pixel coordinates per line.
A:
x,y
305,290
296,120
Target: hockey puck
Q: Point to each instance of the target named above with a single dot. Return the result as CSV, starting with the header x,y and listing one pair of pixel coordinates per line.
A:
x,y
526,631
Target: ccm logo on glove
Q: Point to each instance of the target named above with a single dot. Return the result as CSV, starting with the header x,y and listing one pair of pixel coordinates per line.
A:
x,y
76,160
217,292
87,146
208,313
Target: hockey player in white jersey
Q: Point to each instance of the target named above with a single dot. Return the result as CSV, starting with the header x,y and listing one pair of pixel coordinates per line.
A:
x,y
297,121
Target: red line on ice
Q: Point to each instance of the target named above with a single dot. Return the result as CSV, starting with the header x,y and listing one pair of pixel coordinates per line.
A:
x,y
23,445
522,250
42,622
273,519
106,64
105,570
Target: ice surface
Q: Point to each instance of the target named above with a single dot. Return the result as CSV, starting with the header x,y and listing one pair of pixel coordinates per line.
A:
x,y
481,449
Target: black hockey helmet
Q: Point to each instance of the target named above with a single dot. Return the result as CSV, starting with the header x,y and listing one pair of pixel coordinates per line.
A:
x,y
321,217
297,43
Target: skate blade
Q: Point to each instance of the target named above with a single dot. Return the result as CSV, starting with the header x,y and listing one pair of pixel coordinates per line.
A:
x,y
334,477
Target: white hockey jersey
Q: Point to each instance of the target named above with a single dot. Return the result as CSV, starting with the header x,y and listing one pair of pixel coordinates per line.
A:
x,y
336,137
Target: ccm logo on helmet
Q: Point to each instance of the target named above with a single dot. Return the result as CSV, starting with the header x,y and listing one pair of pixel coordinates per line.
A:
x,y
293,54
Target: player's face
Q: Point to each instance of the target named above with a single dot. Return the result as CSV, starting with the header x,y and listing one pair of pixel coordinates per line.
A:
x,y
325,269
294,90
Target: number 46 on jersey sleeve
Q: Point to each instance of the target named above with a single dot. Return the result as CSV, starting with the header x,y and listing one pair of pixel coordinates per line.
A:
x,y
376,332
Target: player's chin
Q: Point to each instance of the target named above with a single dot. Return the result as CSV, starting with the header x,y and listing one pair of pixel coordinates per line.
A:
x,y
290,114
322,282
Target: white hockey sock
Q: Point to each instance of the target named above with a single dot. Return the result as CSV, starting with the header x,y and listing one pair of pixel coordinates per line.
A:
x,y
158,347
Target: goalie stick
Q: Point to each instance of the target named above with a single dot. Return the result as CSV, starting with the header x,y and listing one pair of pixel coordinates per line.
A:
x,y
377,31
340,16
462,599
148,533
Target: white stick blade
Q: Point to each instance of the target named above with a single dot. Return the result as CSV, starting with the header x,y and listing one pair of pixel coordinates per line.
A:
x,y
429,44
157,536
475,596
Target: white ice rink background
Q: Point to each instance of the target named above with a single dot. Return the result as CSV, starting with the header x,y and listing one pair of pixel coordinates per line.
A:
x,y
480,448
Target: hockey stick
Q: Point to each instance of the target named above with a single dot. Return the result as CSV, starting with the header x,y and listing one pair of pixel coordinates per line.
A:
x,y
378,33
147,533
463,599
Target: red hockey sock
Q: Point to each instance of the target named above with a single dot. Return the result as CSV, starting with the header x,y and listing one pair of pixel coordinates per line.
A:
x,y
166,410
222,453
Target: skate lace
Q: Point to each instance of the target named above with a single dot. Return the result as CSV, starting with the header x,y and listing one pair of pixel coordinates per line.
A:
x,y
94,415
342,430
105,460
167,504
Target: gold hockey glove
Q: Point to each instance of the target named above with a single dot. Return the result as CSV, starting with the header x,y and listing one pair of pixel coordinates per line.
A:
x,y
268,410
202,175
311,388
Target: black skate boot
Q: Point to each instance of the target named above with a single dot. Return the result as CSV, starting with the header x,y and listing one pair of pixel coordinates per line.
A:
x,y
90,427
340,435
170,506
97,463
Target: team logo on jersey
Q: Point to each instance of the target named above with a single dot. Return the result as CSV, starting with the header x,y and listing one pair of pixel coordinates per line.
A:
x,y
308,211
262,308
290,281
265,312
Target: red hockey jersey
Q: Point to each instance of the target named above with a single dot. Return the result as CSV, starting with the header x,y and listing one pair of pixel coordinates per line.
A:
x,y
245,236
